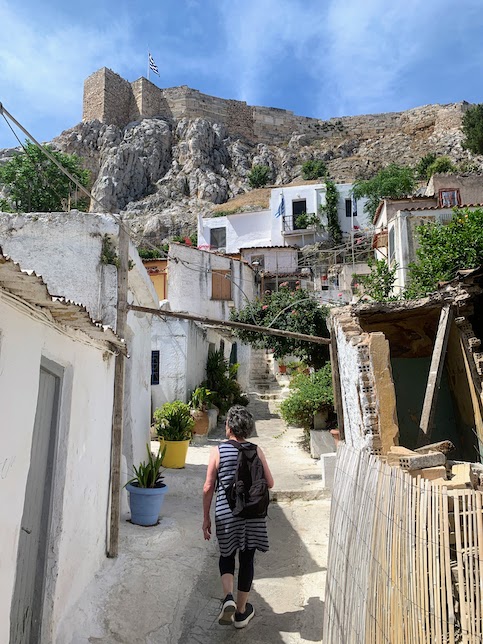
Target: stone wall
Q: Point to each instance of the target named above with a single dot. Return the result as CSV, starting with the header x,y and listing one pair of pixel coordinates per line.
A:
x,y
113,100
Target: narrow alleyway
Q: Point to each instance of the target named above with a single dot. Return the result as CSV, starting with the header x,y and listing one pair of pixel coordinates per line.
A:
x,y
164,588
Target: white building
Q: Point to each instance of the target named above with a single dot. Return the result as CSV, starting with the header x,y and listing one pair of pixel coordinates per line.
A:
x,y
286,226
56,397
205,284
73,396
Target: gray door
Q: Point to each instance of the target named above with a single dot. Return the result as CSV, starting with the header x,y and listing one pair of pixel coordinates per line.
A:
x,y
27,602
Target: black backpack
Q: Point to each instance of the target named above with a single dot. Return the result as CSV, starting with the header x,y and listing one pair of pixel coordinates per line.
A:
x,y
247,494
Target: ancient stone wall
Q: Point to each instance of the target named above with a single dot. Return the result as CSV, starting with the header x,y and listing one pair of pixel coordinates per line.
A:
x,y
107,98
111,99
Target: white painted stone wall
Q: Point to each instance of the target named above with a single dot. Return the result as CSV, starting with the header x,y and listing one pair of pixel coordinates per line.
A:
x,y
81,480
65,248
276,260
190,282
243,230
350,367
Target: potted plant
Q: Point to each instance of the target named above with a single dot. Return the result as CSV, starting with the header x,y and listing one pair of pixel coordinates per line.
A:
x,y
174,424
282,367
146,490
200,403
309,405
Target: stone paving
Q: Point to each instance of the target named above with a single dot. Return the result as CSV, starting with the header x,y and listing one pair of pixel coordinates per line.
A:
x,y
164,587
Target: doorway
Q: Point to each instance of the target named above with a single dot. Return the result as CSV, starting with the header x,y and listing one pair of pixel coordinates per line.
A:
x,y
28,596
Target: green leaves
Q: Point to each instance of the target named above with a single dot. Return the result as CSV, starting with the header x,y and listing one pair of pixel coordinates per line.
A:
x,y
258,176
472,126
149,474
35,184
380,281
444,249
314,169
173,421
393,181
296,311
309,394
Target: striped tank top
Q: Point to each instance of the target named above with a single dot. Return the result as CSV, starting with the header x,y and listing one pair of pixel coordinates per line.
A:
x,y
235,533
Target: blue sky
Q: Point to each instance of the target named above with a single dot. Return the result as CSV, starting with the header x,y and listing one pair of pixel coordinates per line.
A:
x,y
320,58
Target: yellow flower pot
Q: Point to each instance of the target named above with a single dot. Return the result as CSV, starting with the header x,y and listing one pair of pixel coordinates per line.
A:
x,y
175,455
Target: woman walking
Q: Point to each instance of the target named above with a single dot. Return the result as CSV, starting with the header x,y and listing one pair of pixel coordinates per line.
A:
x,y
234,533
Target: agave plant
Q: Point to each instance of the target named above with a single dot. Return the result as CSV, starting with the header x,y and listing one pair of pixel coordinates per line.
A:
x,y
149,474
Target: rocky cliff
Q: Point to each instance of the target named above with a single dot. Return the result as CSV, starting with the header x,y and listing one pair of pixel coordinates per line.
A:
x,y
162,173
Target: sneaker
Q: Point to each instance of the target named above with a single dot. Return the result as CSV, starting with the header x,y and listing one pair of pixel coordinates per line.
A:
x,y
242,619
228,607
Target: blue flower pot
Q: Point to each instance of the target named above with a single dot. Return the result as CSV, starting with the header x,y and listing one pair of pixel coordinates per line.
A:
x,y
145,503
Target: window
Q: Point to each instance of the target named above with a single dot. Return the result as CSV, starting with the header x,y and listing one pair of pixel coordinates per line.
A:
x,y
299,207
348,207
392,246
155,367
221,285
218,238
448,198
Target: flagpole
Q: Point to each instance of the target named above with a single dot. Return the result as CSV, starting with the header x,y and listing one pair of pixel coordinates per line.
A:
x,y
148,63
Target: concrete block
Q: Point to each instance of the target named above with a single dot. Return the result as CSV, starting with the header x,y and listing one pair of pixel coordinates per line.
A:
x,y
321,442
443,446
327,465
430,473
409,460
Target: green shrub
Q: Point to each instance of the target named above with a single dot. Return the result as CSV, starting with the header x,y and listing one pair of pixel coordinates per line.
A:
x,y
222,377
472,126
309,394
314,169
259,176
379,283
442,165
173,421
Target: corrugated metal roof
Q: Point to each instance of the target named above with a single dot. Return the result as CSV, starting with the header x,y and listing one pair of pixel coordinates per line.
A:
x,y
31,288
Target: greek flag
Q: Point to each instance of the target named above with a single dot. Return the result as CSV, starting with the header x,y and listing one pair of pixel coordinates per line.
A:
x,y
152,65
281,208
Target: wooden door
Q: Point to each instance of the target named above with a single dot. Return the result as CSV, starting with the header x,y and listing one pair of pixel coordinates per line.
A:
x,y
27,602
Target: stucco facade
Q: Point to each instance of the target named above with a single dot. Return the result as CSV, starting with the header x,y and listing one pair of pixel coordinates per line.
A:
x,y
76,539
194,277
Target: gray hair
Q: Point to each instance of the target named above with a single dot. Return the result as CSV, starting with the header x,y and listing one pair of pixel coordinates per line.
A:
x,y
240,421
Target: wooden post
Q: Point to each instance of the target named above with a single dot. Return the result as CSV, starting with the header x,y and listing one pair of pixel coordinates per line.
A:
x,y
435,372
118,405
334,361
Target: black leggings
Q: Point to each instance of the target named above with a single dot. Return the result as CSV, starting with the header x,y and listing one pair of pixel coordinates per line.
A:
x,y
246,569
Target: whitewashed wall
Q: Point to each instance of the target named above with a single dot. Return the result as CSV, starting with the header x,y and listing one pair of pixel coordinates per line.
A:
x,y
277,260
242,230
81,480
65,248
190,280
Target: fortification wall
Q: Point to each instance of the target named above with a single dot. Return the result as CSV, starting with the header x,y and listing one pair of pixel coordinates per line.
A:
x,y
107,98
111,99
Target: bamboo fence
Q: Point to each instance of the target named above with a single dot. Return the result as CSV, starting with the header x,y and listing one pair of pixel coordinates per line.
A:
x,y
405,558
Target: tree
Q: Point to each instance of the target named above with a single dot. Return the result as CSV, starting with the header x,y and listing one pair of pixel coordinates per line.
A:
x,y
259,176
423,164
33,183
296,311
314,169
380,281
444,249
393,181
472,126
330,209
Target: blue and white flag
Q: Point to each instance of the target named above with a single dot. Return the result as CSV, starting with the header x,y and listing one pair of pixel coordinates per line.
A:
x,y
281,208
152,65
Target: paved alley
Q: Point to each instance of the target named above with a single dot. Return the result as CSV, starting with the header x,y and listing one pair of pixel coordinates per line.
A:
x,y
164,587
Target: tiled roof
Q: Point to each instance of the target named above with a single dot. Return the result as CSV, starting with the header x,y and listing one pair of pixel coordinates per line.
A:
x,y
31,288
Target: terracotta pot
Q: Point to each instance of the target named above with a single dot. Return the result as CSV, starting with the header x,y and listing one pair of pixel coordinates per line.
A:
x,y
202,421
282,368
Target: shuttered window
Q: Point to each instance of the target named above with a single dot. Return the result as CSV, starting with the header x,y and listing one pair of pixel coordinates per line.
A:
x,y
221,285
155,367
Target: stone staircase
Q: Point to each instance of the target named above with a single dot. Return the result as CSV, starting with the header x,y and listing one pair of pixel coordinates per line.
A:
x,y
265,383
